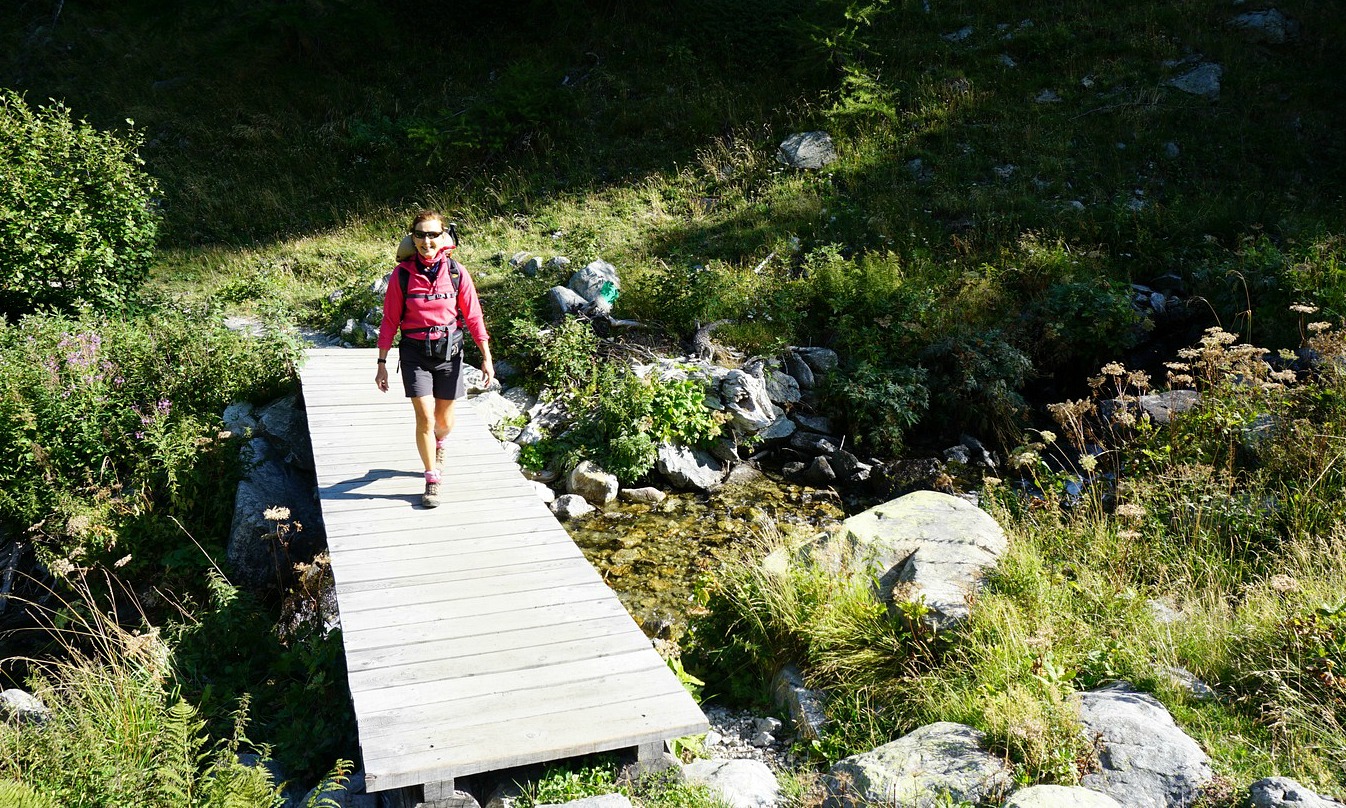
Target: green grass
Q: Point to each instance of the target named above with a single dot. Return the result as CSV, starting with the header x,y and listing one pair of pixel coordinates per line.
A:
x,y
291,142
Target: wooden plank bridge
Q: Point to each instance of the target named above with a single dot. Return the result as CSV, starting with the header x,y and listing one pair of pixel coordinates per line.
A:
x,y
477,636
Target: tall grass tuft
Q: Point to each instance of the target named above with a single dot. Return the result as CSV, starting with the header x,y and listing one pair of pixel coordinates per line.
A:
x,y
117,734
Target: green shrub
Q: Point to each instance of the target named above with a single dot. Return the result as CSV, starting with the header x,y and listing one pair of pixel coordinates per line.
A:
x,y
880,404
76,223
628,416
109,430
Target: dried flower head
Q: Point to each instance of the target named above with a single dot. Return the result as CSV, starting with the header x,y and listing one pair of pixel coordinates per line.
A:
x,y
1304,308
1131,512
276,513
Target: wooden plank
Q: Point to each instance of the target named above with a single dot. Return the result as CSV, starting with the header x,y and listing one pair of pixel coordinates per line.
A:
x,y
469,490
360,522
481,560
522,578
454,627
425,613
443,672
498,745
449,534
521,682
372,660
449,538
587,693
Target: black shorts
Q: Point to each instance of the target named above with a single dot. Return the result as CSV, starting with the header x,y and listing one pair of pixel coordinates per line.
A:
x,y
425,375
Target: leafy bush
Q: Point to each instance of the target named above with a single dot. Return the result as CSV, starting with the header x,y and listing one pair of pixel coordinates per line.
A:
x,y
76,223
627,416
880,404
108,429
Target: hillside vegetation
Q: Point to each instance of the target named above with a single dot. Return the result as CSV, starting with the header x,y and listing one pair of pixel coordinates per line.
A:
x,y
1006,173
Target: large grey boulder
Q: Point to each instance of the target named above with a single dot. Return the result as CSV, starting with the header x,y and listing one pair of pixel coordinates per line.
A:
x,y
807,150
1060,797
494,408
923,545
286,424
642,496
739,783
781,388
746,400
804,706
821,360
273,505
800,370
1270,27
1145,760
1161,407
596,486
1282,792
22,706
571,506
240,419
690,468
1202,80
931,766
778,429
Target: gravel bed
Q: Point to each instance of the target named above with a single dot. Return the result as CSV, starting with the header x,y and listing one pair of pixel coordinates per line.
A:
x,y
737,734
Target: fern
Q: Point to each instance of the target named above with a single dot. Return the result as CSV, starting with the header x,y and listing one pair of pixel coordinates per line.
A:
x,y
14,794
179,755
335,781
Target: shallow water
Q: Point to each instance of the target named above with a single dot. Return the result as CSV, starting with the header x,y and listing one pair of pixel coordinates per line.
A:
x,y
654,556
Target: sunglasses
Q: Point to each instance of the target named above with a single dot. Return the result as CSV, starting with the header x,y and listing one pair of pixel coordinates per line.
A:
x,y
427,234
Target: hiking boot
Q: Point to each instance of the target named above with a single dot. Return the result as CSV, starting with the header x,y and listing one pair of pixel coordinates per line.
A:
x,y
430,499
439,455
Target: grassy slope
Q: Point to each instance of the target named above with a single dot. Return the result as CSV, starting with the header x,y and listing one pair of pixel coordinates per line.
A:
x,y
293,139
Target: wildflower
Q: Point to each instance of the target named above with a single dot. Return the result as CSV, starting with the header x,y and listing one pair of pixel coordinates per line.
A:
x,y
1319,327
1088,463
990,482
1130,511
123,561
276,513
1048,436
1113,369
1024,458
1304,308
163,405
1128,535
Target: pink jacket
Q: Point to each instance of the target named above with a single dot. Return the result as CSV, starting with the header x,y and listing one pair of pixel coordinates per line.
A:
x,y
421,312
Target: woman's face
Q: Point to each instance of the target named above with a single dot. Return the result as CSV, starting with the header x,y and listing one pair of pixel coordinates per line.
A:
x,y
429,238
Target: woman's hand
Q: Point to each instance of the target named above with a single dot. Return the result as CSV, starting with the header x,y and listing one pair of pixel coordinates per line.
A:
x,y
381,377
488,371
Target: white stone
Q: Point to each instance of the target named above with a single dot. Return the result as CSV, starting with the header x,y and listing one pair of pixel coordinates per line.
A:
x,y
1060,797
740,783
812,150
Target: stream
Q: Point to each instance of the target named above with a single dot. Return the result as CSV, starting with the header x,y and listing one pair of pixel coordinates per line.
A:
x,y
654,556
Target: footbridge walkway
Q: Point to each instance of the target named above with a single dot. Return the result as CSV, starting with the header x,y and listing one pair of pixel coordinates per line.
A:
x,y
477,636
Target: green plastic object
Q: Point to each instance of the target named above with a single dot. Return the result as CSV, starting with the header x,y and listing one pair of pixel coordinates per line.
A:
x,y
609,292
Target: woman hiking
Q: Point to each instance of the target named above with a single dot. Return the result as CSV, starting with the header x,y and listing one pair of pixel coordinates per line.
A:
x,y
430,299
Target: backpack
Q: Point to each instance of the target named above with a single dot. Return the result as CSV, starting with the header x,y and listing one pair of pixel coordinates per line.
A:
x,y
404,278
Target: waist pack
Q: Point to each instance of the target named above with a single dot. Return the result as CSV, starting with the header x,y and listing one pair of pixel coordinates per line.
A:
x,y
442,345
